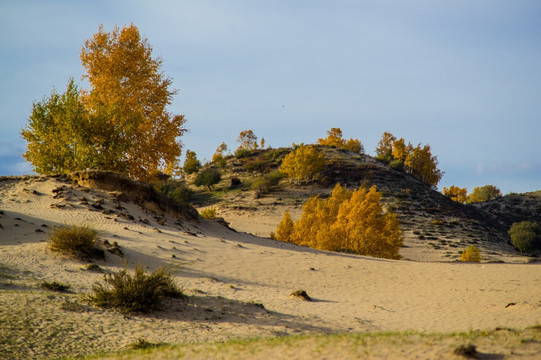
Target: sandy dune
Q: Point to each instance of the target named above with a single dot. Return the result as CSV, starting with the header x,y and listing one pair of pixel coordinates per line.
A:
x,y
239,284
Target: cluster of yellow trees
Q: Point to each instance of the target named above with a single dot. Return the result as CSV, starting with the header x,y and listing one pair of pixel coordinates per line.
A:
x,y
479,194
347,221
334,138
417,161
302,164
120,124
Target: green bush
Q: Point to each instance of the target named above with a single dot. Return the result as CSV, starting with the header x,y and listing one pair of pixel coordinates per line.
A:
x,y
140,292
80,241
176,190
242,153
265,184
258,165
191,164
208,177
526,236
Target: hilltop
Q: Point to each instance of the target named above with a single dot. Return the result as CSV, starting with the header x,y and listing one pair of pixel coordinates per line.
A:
x,y
435,227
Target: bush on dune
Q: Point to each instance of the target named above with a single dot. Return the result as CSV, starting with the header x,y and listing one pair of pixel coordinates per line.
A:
x,y
140,292
80,241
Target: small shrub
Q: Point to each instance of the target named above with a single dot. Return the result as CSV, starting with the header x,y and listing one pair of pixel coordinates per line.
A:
x,y
265,184
208,177
176,190
209,214
80,241
471,254
526,236
140,292
242,153
142,344
257,165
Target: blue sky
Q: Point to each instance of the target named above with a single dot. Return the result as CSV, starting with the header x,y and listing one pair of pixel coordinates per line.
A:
x,y
462,76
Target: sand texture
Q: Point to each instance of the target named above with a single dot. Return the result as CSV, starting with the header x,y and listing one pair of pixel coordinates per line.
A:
x,y
238,285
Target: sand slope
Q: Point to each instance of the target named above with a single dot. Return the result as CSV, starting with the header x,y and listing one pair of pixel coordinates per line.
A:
x,y
239,284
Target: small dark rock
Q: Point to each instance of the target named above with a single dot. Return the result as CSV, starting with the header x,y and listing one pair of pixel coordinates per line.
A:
x,y
468,351
301,295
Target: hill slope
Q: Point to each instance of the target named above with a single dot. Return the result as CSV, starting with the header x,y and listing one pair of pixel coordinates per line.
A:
x,y
435,227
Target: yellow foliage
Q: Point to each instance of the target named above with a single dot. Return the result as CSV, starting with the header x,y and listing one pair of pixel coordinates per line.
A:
x,y
218,156
471,254
347,221
456,194
385,144
247,140
400,150
334,138
484,193
128,99
303,163
421,164
208,213
417,161
285,228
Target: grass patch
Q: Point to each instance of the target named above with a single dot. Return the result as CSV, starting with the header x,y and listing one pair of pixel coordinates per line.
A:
x,y
384,345
78,241
142,344
140,292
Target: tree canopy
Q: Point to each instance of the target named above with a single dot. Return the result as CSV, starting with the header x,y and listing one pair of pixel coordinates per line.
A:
x,y
347,221
120,124
417,161
303,163
334,138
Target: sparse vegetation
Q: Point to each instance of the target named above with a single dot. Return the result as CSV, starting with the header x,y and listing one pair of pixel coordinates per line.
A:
x,y
266,183
140,292
142,344
80,241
